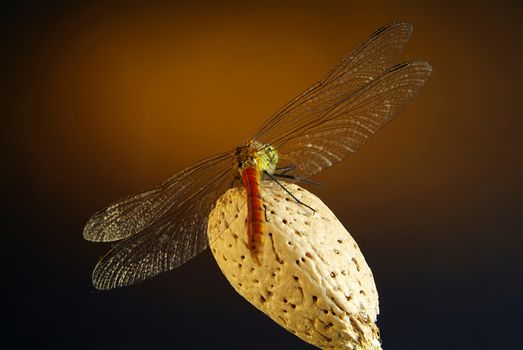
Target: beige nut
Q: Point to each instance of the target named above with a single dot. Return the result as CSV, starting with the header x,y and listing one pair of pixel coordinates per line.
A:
x,y
312,280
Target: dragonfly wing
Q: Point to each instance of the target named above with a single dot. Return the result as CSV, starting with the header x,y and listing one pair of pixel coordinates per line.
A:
x,y
346,127
361,66
176,237
134,213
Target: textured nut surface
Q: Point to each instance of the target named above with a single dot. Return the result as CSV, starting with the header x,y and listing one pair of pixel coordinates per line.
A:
x,y
312,280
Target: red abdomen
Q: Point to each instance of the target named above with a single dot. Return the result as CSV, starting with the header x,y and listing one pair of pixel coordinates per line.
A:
x,y
255,211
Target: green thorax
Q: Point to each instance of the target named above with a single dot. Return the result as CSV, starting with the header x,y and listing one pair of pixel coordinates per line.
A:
x,y
267,158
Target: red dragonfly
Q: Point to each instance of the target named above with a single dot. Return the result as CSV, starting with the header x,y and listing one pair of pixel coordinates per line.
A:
x,y
162,228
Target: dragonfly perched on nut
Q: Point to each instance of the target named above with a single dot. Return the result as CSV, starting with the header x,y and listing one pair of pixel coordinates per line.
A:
x,y
161,228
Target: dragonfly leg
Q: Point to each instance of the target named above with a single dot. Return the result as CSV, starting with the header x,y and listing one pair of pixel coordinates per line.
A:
x,y
286,168
286,190
300,179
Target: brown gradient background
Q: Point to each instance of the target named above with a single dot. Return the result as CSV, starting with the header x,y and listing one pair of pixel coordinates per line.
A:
x,y
101,101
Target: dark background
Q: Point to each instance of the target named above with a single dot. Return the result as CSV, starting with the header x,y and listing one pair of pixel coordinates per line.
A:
x,y
101,101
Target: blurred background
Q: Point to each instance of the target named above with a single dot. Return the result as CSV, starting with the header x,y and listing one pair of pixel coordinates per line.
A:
x,y
101,101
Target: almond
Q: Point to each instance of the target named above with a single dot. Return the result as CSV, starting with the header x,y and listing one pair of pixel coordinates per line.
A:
x,y
312,278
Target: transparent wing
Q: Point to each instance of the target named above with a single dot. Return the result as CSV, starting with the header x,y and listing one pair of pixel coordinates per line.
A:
x,y
134,213
361,66
346,127
176,237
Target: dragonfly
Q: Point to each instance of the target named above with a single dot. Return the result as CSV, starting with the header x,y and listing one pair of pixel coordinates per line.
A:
x,y
160,229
